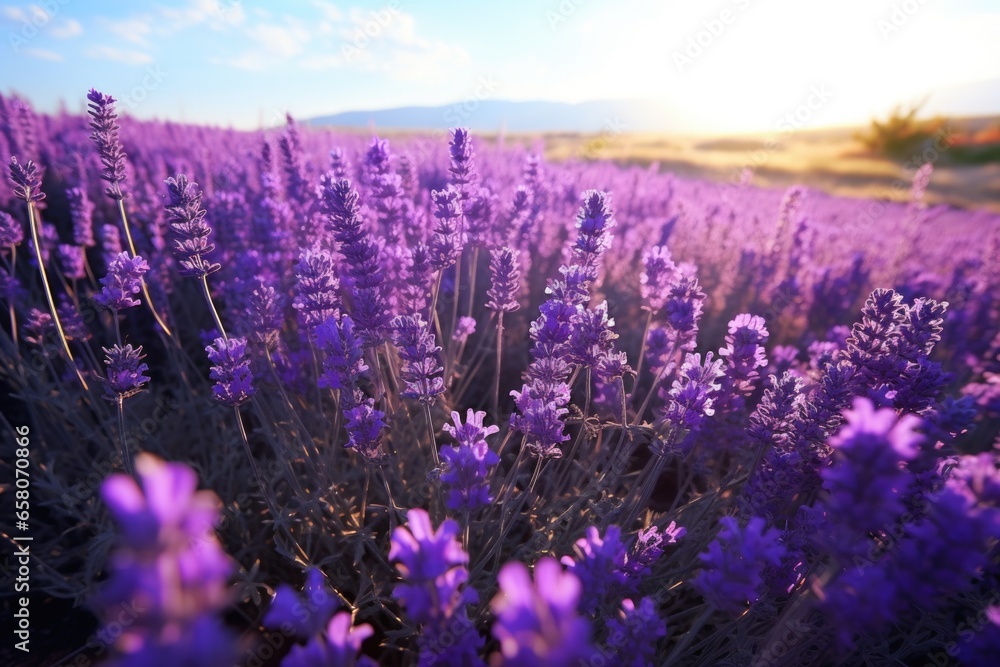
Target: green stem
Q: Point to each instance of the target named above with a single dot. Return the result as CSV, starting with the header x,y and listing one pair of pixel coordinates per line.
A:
x,y
33,223
142,279
211,307
126,457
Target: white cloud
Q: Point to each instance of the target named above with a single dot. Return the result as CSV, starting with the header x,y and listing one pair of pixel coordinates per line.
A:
x,y
329,10
134,30
119,55
43,54
251,61
14,13
322,62
66,29
282,41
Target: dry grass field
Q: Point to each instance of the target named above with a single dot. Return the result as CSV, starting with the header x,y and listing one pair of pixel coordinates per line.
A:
x,y
832,160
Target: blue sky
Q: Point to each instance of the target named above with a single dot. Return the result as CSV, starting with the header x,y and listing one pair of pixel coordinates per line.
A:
x,y
735,65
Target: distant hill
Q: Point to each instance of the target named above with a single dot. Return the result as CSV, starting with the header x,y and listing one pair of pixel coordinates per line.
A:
x,y
611,116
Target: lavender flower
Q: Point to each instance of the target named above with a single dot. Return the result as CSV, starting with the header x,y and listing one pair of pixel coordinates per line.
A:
x,y
111,243
266,316
734,562
421,361
690,401
657,277
684,305
341,205
432,563
169,565
231,371
866,480
81,211
306,615
364,430
648,548
11,232
635,631
435,595
592,337
344,364
465,327
504,285
122,281
38,327
462,169
316,298
124,372
338,646
416,290
541,422
71,261
447,242
105,136
190,231
599,563
27,181
467,467
744,351
536,621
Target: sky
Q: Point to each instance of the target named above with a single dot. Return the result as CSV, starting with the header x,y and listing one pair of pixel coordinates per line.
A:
x,y
733,65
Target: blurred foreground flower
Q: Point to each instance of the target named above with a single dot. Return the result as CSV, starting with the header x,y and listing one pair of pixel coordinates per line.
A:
x,y
169,571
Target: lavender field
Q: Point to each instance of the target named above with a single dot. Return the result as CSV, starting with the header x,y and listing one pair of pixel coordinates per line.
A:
x,y
305,398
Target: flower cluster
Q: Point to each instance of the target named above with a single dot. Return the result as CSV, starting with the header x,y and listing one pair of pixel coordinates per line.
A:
x,y
468,466
124,279
169,568
231,371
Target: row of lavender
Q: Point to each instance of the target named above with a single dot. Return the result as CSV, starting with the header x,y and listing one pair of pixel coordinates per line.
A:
x,y
746,457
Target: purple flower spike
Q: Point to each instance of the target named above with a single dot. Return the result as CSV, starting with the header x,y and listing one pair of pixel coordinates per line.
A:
x,y
302,615
341,204
541,421
339,646
468,465
11,232
432,563
599,562
109,146
421,367
866,481
169,566
71,260
537,623
465,327
594,222
648,548
364,430
504,284
658,276
463,172
27,181
734,563
316,297
446,244
123,280
266,316
744,350
344,365
125,372
634,632
231,371
433,566
190,231
81,212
